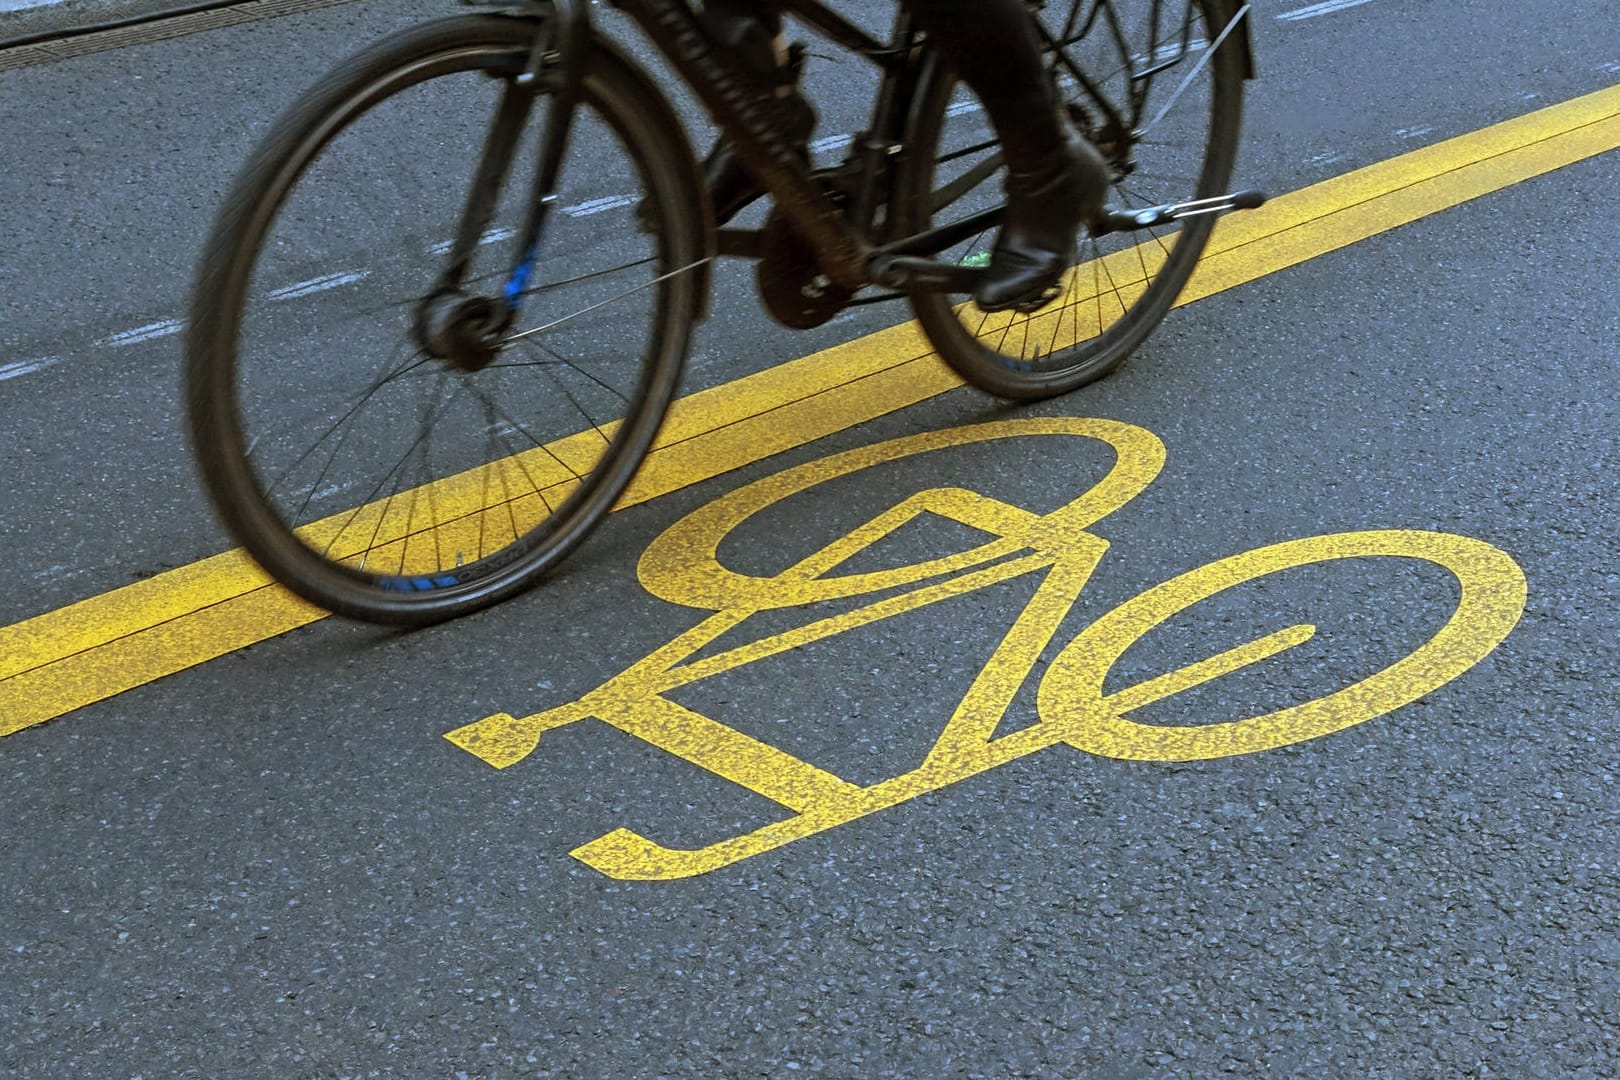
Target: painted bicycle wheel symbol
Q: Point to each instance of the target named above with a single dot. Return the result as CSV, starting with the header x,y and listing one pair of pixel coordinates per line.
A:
x,y
683,566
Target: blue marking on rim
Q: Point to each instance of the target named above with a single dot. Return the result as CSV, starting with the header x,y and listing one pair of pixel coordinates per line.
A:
x,y
418,582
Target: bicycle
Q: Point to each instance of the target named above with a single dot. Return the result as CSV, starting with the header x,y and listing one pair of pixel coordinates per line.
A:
x,y
463,427
1085,697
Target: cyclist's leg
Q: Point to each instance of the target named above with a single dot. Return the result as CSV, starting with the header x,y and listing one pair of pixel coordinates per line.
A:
x,y
1056,180
752,30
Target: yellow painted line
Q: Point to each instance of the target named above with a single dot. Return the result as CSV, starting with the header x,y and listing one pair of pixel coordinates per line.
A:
x,y
86,652
727,752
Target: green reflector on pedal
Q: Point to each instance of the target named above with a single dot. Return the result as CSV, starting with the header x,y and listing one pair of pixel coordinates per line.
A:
x,y
978,258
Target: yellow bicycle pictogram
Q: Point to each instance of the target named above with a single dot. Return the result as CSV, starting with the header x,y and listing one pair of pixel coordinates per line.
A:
x,y
683,566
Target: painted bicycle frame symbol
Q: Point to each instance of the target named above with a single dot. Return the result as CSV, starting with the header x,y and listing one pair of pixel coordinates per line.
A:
x,y
682,566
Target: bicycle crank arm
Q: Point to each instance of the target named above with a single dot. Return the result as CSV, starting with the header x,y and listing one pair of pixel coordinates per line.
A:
x,y
1149,216
911,273
900,266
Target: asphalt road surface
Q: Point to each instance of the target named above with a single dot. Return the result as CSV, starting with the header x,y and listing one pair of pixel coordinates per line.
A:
x,y
680,813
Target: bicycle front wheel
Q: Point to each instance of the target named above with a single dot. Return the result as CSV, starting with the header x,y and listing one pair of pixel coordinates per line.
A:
x,y
1140,79
377,476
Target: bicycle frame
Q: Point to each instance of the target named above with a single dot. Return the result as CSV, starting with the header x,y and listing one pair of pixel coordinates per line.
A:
x,y
747,114
840,236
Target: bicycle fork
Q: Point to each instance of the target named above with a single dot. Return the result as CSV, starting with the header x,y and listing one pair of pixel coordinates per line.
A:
x,y
467,331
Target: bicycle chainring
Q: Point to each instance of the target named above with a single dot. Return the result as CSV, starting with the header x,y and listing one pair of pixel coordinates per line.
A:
x,y
791,283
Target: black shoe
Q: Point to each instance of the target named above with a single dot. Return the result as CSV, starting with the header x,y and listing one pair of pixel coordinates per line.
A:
x,y
731,185
1044,213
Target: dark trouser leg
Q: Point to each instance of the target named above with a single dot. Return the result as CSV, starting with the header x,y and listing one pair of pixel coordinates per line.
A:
x,y
748,27
1056,180
752,30
992,48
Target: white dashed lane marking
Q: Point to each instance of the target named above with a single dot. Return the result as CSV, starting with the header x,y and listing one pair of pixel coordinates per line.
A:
x,y
25,367
318,284
597,206
1326,8
148,332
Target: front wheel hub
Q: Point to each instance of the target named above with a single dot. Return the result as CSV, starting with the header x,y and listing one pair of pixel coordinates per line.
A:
x,y
463,331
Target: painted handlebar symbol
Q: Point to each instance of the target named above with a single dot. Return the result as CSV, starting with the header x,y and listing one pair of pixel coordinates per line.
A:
x,y
683,566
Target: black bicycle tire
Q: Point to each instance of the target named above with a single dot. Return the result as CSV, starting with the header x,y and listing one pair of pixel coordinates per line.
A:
x,y
1091,360
654,138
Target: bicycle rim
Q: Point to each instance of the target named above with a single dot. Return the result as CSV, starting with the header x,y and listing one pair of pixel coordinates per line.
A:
x,y
370,477
1138,78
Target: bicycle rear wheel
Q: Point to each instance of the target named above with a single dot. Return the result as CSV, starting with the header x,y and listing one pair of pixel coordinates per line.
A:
x,y
1139,79
367,474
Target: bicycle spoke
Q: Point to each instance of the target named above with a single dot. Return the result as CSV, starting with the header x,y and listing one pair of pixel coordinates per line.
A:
x,y
553,324
371,497
558,359
1237,19
537,442
492,451
359,402
497,420
588,276
569,394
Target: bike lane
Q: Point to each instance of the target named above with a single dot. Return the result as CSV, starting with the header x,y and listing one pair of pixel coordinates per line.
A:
x,y
283,866
97,648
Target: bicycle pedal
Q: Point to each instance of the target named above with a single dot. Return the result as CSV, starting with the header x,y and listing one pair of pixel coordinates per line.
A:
x,y
1115,220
